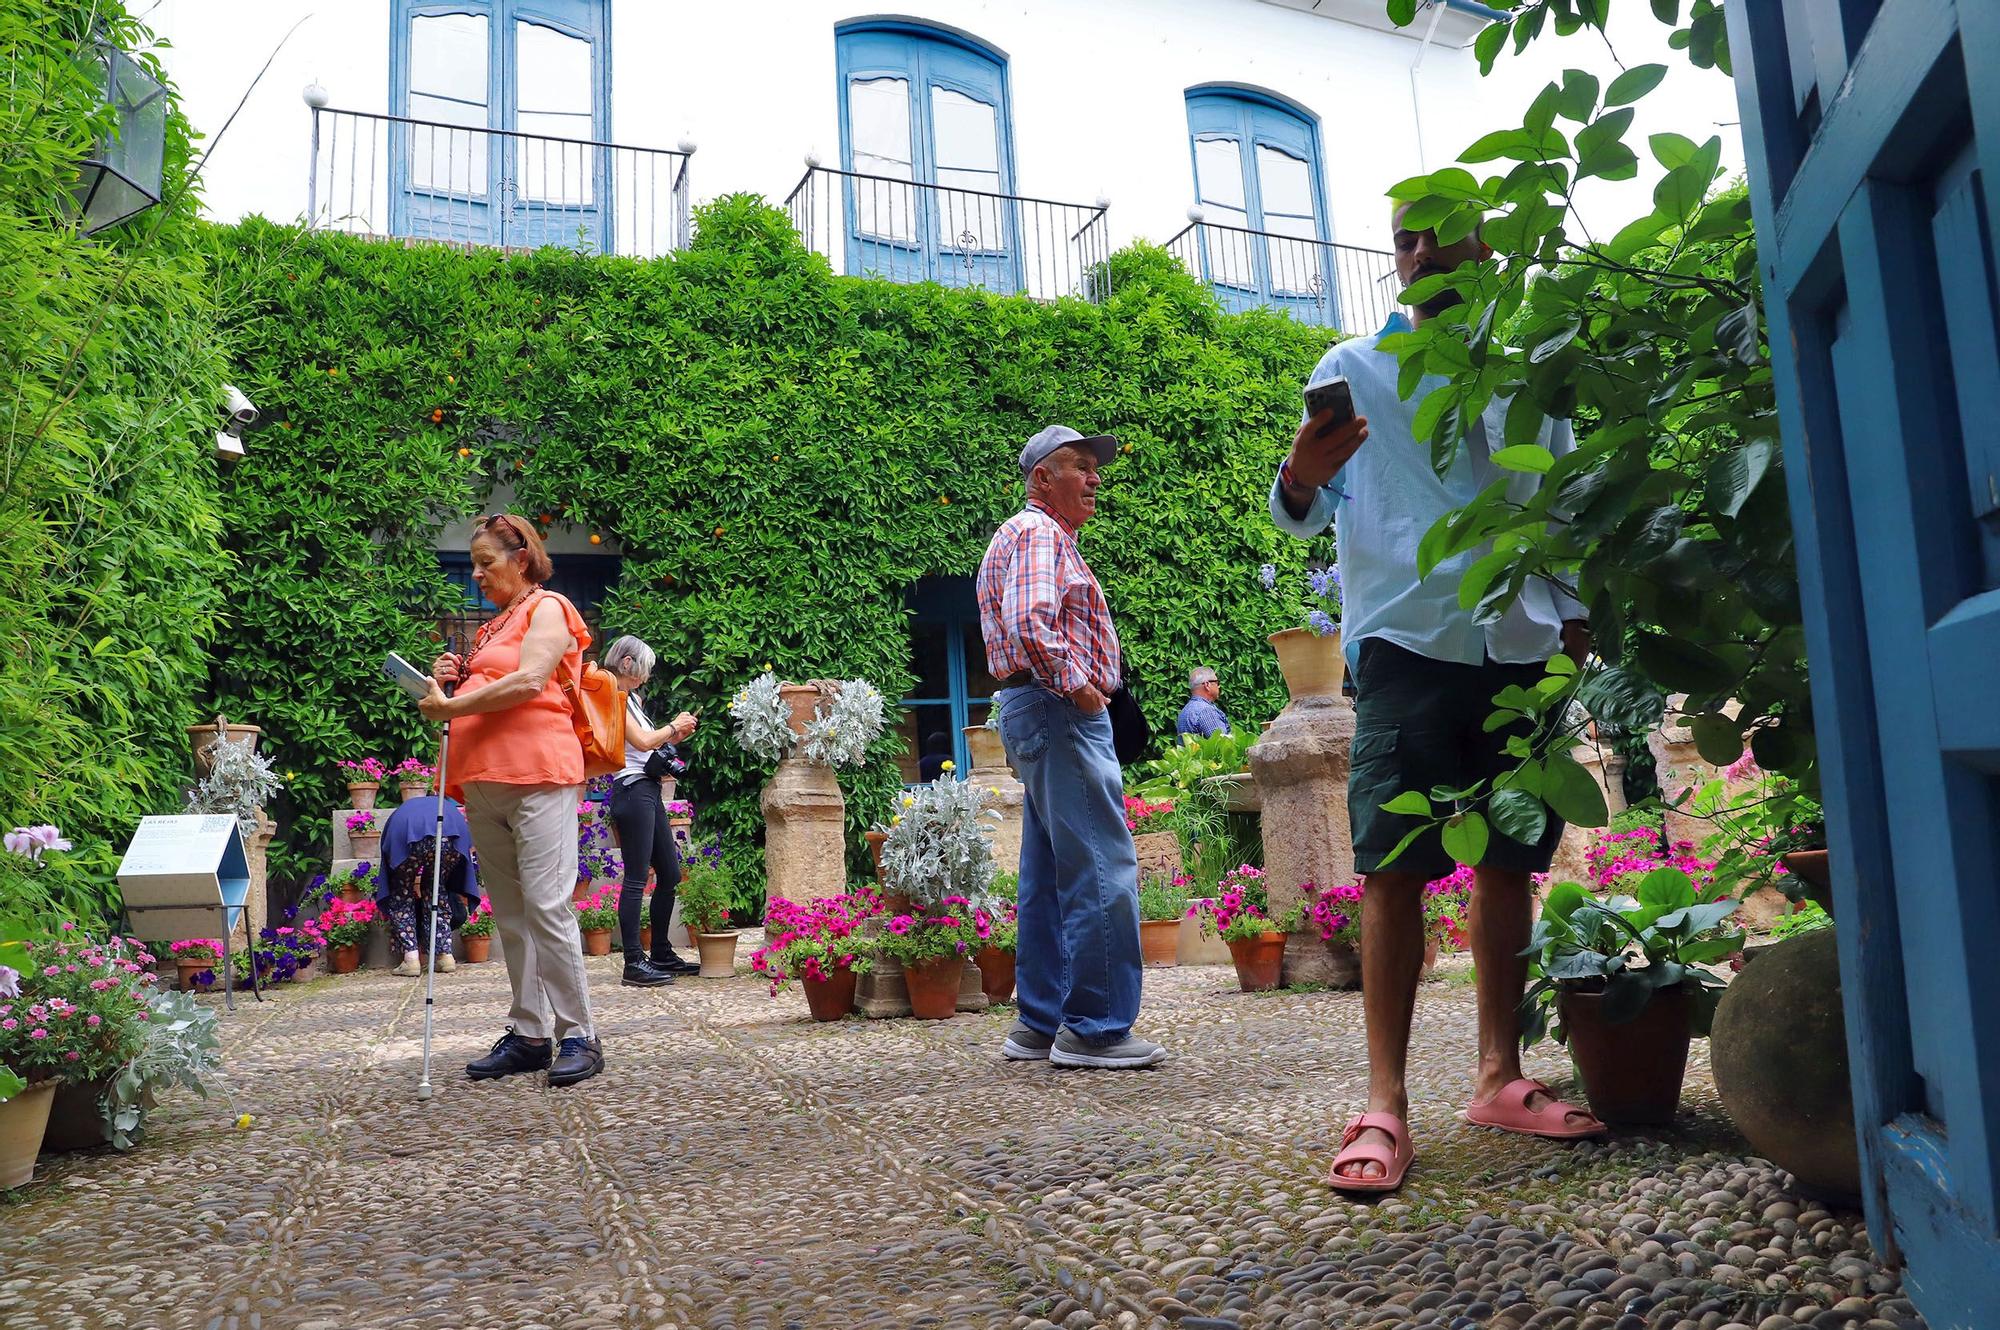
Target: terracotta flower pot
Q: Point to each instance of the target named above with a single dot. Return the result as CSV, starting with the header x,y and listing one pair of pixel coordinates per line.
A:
x,y
352,892
934,987
410,789
1632,1072
830,999
1160,942
875,839
364,844
75,1123
478,949
646,938
803,699
718,954
597,942
1430,956
1811,867
23,1121
1312,665
1259,961
996,973
361,794
203,737
344,960
187,970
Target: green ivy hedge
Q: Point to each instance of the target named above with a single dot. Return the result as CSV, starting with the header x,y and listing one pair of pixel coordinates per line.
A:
x,y
780,453
111,571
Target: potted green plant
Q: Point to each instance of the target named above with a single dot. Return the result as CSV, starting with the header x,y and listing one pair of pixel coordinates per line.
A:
x,y
706,892
78,1015
596,916
192,958
413,778
815,943
931,949
1309,656
345,924
478,933
1239,913
1163,903
364,836
182,1046
364,779
937,845
1624,980
358,883
999,930
239,782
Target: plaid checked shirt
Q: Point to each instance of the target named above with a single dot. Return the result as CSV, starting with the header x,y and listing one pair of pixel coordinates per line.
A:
x,y
1041,610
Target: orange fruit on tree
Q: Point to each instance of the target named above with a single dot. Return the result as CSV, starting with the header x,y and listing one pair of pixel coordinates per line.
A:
x,y
596,539
465,452
437,416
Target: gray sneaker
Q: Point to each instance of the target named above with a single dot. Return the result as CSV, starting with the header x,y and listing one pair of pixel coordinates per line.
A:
x,y
1026,1045
1131,1051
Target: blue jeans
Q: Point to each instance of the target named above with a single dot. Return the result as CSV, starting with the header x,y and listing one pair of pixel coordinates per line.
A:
x,y
1078,961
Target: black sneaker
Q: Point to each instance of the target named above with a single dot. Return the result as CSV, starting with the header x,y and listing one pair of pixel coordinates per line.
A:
x,y
511,1056
642,973
673,964
578,1060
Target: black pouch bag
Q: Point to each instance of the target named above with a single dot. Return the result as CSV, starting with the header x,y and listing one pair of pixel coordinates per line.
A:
x,y
1131,736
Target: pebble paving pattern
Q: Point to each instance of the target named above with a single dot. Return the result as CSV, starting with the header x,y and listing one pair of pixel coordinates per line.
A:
x,y
739,1167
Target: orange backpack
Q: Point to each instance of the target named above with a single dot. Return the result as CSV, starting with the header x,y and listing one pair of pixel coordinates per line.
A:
x,y
597,711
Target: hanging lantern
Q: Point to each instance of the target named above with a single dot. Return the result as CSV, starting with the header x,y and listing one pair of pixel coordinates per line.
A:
x,y
123,177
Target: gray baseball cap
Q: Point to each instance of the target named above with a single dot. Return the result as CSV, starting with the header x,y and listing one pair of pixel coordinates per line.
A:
x,y
1061,436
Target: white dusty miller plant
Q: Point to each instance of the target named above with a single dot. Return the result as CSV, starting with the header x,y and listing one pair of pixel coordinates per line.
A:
x,y
763,721
839,733
938,844
239,782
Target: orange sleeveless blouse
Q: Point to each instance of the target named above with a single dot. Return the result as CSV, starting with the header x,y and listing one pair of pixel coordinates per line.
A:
x,y
535,742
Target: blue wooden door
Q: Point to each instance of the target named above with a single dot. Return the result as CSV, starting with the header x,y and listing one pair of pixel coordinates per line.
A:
x,y
1257,177
538,69
1873,137
932,112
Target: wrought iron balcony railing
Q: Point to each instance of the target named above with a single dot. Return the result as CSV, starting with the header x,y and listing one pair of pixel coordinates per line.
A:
x,y
1327,285
908,231
389,175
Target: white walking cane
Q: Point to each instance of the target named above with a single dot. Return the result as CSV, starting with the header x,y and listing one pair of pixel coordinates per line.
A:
x,y
437,875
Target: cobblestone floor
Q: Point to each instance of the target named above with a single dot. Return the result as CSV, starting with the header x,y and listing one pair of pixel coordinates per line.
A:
x,y
738,1166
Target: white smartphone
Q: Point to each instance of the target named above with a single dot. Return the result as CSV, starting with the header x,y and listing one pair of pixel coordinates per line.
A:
x,y
413,680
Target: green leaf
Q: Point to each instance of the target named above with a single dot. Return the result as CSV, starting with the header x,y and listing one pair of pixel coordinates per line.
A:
x,y
1604,131
1518,815
1681,191
1672,150
1635,236
1579,95
1738,331
1621,700
1560,665
1666,889
1667,11
1402,13
1514,143
1625,996
1679,665
1734,476
1717,738
1525,457
1487,45
1465,838
1404,844
1563,901
1633,84
1558,337
1613,161
1572,792
1410,802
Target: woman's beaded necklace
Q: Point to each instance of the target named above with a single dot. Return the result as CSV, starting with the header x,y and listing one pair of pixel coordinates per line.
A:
x,y
499,621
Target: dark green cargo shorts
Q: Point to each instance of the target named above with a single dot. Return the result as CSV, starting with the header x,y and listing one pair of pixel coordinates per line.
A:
x,y
1420,723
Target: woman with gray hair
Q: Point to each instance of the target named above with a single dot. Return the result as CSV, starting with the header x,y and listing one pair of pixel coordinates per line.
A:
x,y
638,810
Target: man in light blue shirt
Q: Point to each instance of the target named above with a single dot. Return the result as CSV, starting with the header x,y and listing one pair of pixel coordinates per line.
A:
x,y
1425,673
1203,715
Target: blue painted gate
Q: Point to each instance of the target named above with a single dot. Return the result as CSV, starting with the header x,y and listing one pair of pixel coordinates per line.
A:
x,y
1872,129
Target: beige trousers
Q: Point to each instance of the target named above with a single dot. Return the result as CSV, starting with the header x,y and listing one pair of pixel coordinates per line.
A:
x,y
525,836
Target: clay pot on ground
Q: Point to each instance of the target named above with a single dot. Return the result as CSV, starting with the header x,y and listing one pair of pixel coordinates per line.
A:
x,y
361,794
996,973
202,737
1779,1050
830,999
352,892
344,960
646,938
1311,664
364,844
718,954
1160,942
1197,947
75,1120
1259,961
875,840
24,1120
412,790
933,987
185,971
1430,957
477,949
596,941
1811,867
1632,1072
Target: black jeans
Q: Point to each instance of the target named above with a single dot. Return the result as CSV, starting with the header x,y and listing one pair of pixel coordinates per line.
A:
x,y
645,841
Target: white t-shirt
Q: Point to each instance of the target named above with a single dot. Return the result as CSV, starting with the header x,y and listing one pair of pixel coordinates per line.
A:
x,y
635,759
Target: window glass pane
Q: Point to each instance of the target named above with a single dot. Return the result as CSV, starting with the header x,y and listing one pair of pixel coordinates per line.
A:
x,y
966,150
552,70
557,167
926,734
448,57
978,683
878,115
1218,169
448,161
1284,183
1219,182
930,660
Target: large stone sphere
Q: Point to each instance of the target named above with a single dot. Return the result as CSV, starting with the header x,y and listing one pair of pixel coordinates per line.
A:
x,y
1779,1050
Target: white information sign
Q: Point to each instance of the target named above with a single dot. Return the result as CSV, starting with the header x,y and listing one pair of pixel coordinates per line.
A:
x,y
184,877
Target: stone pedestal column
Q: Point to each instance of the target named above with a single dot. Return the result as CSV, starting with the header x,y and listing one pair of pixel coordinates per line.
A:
x,y
805,832
1300,766
1005,794
256,849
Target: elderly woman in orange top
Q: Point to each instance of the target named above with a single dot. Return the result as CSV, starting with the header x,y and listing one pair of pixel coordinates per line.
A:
x,y
517,768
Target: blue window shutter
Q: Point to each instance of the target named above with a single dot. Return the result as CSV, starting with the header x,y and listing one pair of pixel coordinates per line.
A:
x,y
1278,189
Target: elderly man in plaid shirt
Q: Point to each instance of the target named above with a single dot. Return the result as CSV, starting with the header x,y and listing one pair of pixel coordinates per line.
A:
x,y
1051,645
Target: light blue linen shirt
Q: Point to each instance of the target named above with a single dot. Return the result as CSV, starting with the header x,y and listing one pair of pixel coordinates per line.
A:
x,y
1387,496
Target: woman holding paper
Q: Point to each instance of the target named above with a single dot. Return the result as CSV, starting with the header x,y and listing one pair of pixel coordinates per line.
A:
x,y
516,767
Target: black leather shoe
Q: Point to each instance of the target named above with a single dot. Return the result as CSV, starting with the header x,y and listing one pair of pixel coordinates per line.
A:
x,y
642,973
511,1056
673,964
578,1060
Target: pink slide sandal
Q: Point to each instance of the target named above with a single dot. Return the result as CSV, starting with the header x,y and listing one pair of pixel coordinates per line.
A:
x,y
1395,1162
1509,1111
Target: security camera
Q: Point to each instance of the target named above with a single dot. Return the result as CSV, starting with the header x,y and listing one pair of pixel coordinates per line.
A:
x,y
242,412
